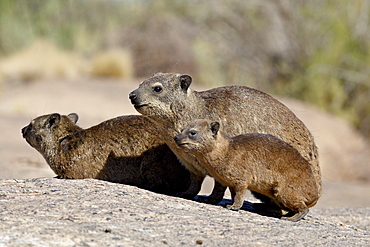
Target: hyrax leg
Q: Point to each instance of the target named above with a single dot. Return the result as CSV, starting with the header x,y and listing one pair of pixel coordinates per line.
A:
x,y
297,216
237,196
217,194
194,188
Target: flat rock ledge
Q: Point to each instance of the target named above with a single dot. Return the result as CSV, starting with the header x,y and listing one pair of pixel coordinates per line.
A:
x,y
55,212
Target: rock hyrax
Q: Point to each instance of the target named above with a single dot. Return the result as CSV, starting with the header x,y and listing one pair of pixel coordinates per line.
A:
x,y
167,100
125,149
259,162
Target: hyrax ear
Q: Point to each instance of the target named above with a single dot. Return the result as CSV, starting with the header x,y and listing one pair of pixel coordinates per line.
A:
x,y
52,120
215,126
185,81
73,117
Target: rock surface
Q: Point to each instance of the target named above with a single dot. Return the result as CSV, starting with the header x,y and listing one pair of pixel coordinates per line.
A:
x,y
55,212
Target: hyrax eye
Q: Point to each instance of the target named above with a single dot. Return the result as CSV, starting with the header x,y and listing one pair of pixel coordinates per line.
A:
x,y
157,89
192,133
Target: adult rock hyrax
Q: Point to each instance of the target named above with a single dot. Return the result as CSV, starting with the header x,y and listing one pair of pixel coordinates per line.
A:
x,y
259,162
167,100
125,149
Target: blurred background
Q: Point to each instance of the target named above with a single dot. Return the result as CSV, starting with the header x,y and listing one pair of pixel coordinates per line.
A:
x,y
313,55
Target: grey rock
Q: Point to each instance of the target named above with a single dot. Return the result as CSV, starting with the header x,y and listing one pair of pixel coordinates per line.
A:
x,y
55,212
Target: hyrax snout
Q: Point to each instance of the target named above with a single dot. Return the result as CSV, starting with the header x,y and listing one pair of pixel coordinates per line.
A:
x,y
125,149
259,162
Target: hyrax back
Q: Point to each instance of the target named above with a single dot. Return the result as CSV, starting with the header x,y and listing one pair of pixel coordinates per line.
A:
x,y
259,162
125,149
167,100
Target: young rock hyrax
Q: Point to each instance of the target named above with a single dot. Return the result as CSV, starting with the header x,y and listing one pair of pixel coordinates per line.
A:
x,y
259,162
125,149
167,100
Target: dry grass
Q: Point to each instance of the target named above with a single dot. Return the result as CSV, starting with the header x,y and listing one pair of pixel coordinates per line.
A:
x,y
42,60
112,63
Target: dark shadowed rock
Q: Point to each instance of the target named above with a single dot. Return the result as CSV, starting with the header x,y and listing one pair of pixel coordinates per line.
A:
x,y
55,212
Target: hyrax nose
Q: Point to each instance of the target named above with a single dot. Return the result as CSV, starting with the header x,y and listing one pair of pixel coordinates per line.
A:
x,y
24,131
132,95
177,138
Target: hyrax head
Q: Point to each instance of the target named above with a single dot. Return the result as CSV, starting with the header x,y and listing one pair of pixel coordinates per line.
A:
x,y
48,128
161,94
198,136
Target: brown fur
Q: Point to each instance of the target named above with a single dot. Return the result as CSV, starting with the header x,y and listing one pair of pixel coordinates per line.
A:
x,y
259,162
125,149
167,100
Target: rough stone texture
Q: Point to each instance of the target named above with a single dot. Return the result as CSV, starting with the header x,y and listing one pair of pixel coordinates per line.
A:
x,y
55,212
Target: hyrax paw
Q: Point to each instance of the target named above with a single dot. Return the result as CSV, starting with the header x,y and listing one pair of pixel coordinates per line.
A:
x,y
208,200
184,195
297,216
232,207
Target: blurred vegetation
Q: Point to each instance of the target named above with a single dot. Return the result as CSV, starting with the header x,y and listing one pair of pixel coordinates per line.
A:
x,y
317,50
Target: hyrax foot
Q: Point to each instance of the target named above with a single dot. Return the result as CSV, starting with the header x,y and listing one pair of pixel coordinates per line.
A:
x,y
232,207
185,195
209,200
296,217
217,194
